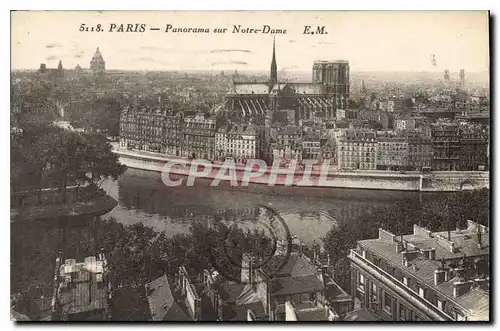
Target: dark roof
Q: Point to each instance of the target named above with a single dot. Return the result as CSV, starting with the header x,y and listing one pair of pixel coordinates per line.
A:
x,y
358,135
334,292
82,293
83,297
293,265
163,303
313,314
239,312
298,284
361,315
289,130
230,291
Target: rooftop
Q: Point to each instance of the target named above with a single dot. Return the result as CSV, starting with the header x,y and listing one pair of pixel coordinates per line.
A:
x,y
308,88
362,315
425,251
312,314
296,284
83,288
164,302
249,88
293,265
83,297
358,135
330,61
230,291
239,312
289,130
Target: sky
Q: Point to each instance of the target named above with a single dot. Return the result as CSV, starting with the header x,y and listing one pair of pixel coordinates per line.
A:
x,y
370,41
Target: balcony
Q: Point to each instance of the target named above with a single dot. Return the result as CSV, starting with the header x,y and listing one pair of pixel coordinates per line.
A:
x,y
426,307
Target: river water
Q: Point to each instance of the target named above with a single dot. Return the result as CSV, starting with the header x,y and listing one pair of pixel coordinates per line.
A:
x,y
308,212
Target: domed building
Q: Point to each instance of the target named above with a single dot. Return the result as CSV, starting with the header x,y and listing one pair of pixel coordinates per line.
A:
x,y
97,64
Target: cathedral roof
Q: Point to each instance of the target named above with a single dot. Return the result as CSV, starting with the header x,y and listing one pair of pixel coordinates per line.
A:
x,y
250,88
308,88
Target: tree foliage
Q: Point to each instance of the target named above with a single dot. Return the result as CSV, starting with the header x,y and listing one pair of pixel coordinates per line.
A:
x,y
46,156
136,253
436,212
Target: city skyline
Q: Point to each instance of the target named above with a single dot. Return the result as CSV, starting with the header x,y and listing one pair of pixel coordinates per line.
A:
x,y
462,41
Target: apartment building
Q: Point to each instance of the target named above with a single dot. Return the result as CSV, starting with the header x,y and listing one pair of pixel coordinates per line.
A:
x,y
357,150
392,152
198,137
423,276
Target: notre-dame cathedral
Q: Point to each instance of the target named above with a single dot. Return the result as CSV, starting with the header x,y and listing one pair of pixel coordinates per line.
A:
x,y
328,92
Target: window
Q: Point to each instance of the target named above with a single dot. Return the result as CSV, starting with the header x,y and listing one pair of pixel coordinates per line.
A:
x,y
406,281
361,283
440,304
421,292
374,294
388,304
403,313
376,261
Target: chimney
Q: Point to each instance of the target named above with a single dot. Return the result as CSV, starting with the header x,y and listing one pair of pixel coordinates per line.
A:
x,y
482,283
460,272
386,235
405,260
432,254
484,229
440,276
324,270
460,288
421,231
471,225
90,292
399,247
321,275
479,239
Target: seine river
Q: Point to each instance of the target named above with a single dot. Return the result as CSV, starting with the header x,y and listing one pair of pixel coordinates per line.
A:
x,y
308,212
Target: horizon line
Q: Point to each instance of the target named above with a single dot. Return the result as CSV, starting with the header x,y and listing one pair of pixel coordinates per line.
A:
x,y
242,70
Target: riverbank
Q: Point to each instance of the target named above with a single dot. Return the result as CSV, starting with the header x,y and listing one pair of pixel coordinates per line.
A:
x,y
97,206
440,181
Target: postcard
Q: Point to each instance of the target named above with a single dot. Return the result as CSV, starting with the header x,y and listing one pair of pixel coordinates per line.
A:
x,y
250,166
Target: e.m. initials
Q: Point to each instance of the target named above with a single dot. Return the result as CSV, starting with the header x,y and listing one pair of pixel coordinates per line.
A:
x,y
308,29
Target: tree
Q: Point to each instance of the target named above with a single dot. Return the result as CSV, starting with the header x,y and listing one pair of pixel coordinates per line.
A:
x,y
47,156
437,213
101,161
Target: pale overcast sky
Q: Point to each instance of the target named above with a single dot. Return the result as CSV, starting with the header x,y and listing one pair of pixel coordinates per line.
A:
x,y
371,41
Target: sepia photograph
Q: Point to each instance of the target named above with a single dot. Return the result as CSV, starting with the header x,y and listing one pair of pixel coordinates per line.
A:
x,y
250,166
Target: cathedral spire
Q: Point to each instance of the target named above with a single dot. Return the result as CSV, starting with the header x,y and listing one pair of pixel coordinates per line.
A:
x,y
274,68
